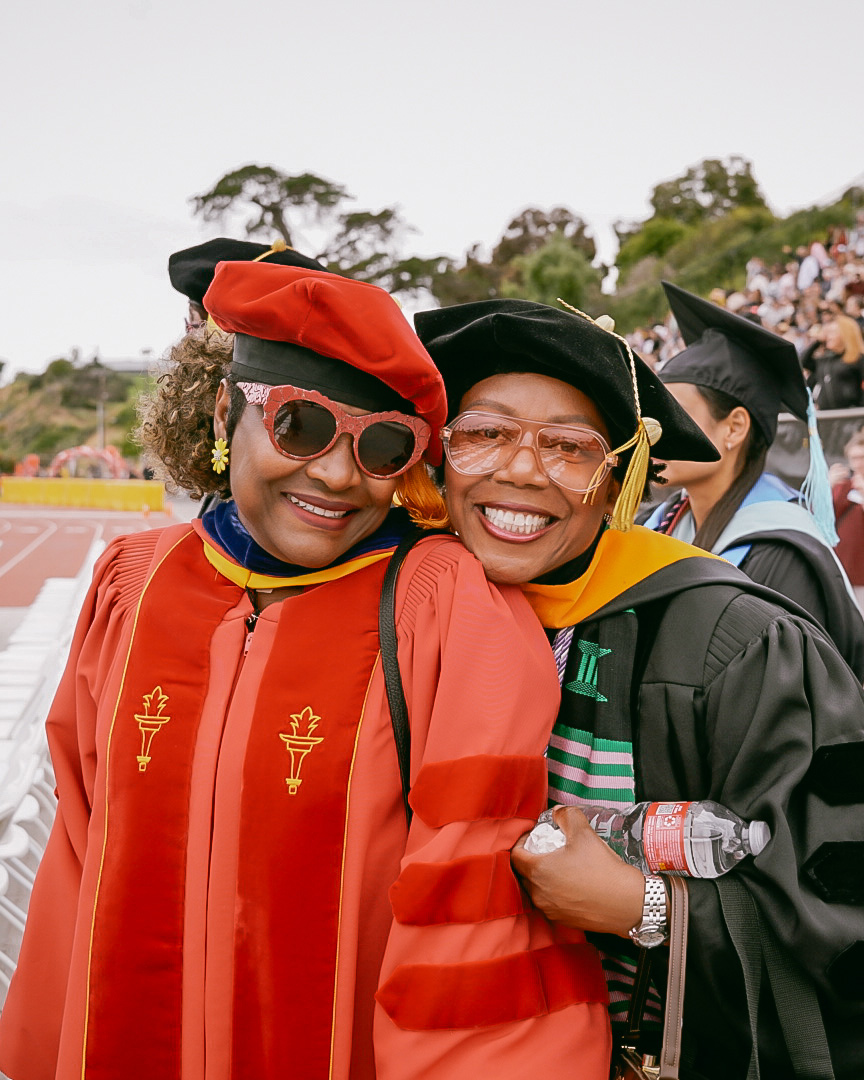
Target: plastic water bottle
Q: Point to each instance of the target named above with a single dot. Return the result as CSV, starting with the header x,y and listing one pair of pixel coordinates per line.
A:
x,y
691,839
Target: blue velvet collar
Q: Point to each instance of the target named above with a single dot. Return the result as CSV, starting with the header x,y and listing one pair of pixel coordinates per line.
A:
x,y
223,525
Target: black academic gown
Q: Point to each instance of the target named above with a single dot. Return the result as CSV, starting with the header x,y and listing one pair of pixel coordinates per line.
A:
x,y
802,568
735,695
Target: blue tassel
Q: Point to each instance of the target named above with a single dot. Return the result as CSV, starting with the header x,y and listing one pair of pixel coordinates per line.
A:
x,y
816,489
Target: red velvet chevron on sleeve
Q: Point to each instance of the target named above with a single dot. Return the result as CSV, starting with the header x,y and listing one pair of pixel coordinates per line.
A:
x,y
473,889
480,787
431,997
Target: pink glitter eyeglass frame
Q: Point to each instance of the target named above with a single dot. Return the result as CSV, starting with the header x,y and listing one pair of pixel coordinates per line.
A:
x,y
273,398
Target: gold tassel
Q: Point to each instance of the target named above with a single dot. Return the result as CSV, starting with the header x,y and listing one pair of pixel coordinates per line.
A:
x,y
648,432
633,487
417,492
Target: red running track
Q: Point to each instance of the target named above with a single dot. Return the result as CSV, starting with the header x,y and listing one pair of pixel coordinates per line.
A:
x,y
41,542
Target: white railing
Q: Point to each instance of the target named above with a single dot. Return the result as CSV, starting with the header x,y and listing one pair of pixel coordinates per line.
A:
x,y
30,669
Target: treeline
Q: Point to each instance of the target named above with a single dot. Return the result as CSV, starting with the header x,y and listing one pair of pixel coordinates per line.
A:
x,y
704,226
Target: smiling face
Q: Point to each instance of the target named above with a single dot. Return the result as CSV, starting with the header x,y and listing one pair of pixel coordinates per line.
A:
x,y
517,521
303,512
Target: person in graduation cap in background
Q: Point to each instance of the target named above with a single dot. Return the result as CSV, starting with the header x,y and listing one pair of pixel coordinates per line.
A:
x,y
191,273
231,887
733,379
191,270
681,678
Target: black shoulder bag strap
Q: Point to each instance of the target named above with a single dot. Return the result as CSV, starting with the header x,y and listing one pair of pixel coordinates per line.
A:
x,y
794,994
390,664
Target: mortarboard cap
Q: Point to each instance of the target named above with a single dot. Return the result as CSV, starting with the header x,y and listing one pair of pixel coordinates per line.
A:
x,y
346,338
192,269
756,368
471,342
726,352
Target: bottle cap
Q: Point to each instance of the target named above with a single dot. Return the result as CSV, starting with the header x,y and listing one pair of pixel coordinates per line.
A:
x,y
758,835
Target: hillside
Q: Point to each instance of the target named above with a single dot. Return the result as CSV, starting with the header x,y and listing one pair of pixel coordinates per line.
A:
x,y
59,408
713,253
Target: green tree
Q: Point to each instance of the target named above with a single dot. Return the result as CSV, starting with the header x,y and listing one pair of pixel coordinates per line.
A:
x,y
499,275
704,226
269,198
708,255
361,244
707,190
61,368
655,237
557,269
533,228
476,279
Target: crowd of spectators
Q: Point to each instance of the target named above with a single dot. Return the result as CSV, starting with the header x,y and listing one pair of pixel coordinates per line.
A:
x,y
815,299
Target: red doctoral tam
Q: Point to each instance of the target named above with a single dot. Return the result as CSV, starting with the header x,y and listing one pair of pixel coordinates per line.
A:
x,y
352,321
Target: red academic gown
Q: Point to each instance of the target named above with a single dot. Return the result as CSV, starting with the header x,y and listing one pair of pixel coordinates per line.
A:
x,y
230,890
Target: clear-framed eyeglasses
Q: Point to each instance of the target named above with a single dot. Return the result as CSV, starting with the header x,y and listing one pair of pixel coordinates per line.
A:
x,y
480,443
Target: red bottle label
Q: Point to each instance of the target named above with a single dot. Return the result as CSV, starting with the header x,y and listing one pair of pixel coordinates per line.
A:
x,y
663,837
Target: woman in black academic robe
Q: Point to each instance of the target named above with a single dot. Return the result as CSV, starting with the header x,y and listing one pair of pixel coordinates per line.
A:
x,y
733,379
681,680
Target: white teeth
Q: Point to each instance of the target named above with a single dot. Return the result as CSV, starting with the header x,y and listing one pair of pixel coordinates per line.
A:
x,y
319,510
520,524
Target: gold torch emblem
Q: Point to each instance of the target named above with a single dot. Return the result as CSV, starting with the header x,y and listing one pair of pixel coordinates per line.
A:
x,y
149,722
299,744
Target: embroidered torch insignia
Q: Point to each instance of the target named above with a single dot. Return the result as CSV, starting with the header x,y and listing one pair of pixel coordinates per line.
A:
x,y
299,745
150,721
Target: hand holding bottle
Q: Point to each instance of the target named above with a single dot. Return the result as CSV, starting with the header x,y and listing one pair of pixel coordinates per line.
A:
x,y
583,884
693,839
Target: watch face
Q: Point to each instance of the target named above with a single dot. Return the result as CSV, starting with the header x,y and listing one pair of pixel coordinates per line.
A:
x,y
648,937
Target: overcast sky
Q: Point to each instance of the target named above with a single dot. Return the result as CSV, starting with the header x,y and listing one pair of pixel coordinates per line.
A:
x,y
462,113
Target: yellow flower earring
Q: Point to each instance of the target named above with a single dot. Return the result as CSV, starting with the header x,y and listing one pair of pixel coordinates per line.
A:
x,y
219,456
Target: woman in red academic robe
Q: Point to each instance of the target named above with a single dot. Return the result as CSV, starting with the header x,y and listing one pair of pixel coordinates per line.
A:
x,y
231,888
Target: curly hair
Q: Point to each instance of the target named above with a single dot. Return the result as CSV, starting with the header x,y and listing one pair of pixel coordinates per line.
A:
x,y
175,420
175,428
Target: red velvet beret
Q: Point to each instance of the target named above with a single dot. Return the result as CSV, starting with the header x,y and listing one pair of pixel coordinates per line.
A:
x,y
347,320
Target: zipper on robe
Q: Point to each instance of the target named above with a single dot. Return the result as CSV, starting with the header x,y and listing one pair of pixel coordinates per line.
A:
x,y
251,620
